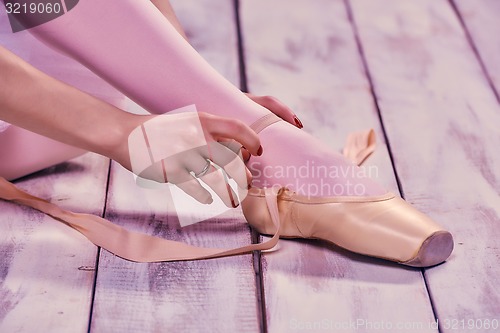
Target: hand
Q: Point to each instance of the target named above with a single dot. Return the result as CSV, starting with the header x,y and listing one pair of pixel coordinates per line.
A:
x,y
277,107
179,148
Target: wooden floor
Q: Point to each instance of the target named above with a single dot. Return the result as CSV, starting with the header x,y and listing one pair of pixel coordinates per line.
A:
x,y
424,74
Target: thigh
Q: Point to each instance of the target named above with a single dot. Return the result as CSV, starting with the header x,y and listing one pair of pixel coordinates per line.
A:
x,y
23,152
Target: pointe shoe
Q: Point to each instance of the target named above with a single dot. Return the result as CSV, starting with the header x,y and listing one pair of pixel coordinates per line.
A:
x,y
383,226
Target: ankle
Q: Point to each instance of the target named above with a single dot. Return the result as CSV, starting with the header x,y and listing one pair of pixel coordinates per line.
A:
x,y
292,158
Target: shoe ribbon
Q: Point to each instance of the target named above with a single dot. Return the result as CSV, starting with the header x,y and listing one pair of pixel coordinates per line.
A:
x,y
141,247
124,243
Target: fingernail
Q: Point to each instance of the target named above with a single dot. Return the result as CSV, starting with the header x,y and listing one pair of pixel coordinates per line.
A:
x,y
298,123
246,155
260,151
234,203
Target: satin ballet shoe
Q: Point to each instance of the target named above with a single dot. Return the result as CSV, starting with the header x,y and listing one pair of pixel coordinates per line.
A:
x,y
383,226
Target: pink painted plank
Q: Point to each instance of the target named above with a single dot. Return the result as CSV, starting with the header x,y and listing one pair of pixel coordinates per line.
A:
x,y
46,268
442,119
305,53
481,19
197,296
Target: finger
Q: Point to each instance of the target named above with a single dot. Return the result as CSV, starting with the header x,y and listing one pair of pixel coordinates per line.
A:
x,y
218,182
232,163
178,173
278,108
212,176
224,128
236,148
231,144
197,164
245,154
193,188
242,153
155,172
237,170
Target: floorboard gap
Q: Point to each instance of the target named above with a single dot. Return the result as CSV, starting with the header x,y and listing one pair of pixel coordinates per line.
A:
x,y
372,91
431,300
94,285
474,48
256,255
374,96
240,46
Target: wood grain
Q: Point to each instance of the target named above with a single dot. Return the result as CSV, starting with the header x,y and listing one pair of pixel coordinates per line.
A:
x,y
442,119
196,296
481,20
46,268
210,28
305,53
192,296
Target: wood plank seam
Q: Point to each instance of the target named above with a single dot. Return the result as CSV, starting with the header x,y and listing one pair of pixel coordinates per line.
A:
x,y
256,256
98,253
366,69
428,79
240,47
175,296
386,138
474,48
311,61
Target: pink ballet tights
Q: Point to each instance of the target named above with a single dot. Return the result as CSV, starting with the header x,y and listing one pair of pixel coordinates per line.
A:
x,y
134,47
23,152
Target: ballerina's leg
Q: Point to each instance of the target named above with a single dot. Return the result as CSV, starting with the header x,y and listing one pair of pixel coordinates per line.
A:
x,y
135,48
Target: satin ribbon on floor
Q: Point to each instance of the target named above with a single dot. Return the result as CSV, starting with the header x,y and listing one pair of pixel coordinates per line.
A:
x,y
139,247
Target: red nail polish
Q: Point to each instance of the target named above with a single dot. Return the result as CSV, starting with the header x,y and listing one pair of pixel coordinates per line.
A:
x,y
298,123
260,151
234,202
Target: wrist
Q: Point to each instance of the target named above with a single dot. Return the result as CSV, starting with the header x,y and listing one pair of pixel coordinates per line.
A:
x,y
115,143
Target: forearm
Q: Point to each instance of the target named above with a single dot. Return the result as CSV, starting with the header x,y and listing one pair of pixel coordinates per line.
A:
x,y
33,100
